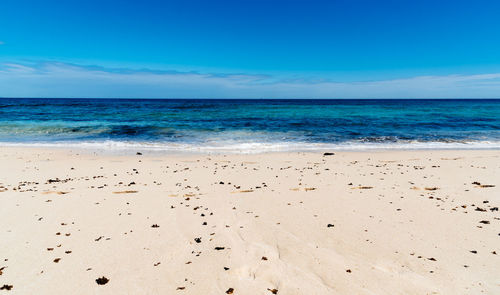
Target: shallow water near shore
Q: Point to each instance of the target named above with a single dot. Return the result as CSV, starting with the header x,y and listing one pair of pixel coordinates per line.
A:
x,y
223,125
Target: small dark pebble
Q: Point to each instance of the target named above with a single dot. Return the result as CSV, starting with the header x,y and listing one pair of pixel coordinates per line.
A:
x,y
6,287
102,280
328,154
330,225
219,248
230,291
197,240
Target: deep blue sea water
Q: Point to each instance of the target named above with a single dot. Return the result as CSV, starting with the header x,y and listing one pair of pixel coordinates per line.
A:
x,y
250,125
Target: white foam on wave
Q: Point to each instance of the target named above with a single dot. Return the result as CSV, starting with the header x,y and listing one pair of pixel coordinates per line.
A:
x,y
246,147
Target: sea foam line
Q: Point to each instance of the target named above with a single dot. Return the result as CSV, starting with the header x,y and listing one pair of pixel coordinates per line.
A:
x,y
252,147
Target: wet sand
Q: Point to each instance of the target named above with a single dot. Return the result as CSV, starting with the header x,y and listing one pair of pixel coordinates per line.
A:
x,y
385,222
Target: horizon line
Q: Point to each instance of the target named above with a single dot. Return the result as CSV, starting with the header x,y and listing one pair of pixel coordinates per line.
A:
x,y
261,98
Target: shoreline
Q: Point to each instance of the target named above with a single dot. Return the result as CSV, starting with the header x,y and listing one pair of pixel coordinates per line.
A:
x,y
165,155
371,222
249,148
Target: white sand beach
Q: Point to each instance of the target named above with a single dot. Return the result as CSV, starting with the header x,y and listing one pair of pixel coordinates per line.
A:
x,y
384,222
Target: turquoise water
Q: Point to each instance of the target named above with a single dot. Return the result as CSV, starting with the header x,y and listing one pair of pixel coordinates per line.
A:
x,y
250,125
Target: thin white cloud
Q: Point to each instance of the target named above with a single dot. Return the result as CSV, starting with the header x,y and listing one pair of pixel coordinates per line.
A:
x,y
56,79
14,68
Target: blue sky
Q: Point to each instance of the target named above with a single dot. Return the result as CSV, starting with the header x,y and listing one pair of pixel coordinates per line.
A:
x,y
250,49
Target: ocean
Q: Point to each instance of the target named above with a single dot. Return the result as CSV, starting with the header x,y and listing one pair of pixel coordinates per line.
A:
x,y
250,125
